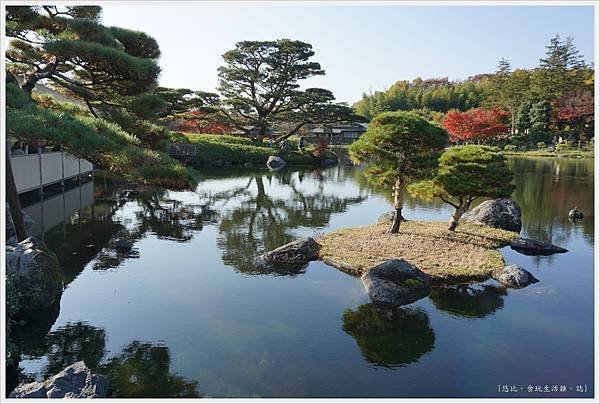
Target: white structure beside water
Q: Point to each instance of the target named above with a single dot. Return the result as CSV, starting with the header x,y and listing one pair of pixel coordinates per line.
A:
x,y
34,171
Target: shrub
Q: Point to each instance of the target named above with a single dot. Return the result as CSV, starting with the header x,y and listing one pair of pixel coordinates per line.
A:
x,y
510,147
321,148
541,145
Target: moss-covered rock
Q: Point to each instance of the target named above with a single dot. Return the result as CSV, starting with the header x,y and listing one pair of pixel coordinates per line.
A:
x,y
36,274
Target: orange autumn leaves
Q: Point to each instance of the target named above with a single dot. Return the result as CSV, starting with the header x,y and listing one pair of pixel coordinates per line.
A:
x,y
476,124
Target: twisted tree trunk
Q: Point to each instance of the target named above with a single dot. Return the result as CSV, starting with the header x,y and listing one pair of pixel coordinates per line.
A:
x,y
398,202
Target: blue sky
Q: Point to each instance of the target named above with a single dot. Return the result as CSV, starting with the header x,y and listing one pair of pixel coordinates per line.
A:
x,y
361,47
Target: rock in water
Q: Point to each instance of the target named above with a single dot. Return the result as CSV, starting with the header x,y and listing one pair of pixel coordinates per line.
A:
x,y
274,162
123,245
297,253
501,213
575,215
36,271
514,276
529,246
395,282
75,381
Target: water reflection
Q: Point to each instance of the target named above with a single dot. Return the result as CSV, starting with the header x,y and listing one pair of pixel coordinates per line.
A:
x,y
390,337
68,344
259,221
469,301
142,370
546,189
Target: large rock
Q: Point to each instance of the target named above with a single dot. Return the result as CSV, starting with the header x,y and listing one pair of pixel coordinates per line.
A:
x,y
295,254
529,246
123,245
514,276
274,162
396,282
36,274
502,213
575,215
75,381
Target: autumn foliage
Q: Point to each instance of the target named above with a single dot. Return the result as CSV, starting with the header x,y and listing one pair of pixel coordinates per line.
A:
x,y
200,122
476,124
576,107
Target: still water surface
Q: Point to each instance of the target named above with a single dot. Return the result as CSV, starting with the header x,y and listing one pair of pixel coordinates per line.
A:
x,y
186,313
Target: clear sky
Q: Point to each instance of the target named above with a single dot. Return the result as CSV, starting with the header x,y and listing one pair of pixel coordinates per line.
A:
x,y
361,47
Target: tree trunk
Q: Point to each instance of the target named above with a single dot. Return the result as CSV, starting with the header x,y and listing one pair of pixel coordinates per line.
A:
x,y
458,212
398,202
512,121
13,201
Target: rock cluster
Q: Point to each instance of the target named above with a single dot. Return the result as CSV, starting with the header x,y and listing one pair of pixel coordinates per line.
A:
x,y
75,381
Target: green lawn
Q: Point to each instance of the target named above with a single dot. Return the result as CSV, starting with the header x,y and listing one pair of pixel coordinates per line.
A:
x,y
240,150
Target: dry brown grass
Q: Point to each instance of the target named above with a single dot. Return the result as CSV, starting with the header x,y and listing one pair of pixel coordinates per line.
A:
x,y
468,254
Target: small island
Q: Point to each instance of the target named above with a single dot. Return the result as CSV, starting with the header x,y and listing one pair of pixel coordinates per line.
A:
x,y
467,254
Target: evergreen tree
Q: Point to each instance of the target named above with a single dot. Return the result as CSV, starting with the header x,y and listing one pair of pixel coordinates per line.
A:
x,y
464,174
398,147
69,47
561,71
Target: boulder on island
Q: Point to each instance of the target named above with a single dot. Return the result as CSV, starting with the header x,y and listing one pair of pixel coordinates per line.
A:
x,y
275,163
530,246
75,381
395,282
292,255
501,213
514,276
36,273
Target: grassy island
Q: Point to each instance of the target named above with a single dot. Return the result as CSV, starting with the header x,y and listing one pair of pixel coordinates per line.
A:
x,y
467,254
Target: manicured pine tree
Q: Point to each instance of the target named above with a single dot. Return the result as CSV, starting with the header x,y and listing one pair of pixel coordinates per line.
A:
x,y
69,47
398,147
464,174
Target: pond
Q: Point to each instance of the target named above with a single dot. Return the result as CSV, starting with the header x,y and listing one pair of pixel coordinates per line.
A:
x,y
186,313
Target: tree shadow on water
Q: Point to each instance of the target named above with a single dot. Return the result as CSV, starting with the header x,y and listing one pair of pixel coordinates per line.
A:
x,y
141,369
468,301
390,336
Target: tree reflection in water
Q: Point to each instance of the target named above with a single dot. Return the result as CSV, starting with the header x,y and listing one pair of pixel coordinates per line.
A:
x,y
261,222
68,344
390,336
468,301
142,369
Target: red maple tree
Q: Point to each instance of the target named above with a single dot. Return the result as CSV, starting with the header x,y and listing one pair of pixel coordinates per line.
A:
x,y
576,108
201,122
476,124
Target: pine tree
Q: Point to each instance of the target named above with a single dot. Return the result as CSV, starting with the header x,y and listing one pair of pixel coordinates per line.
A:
x,y
398,147
466,173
